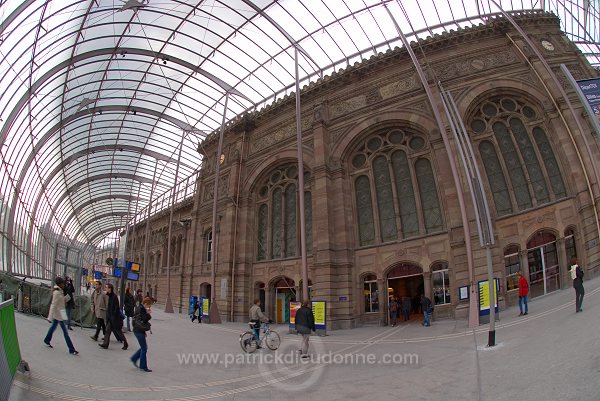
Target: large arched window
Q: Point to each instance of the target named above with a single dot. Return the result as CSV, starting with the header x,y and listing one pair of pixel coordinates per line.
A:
x,y
394,186
278,227
518,159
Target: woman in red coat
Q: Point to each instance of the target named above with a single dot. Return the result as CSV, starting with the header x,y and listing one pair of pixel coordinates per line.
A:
x,y
523,292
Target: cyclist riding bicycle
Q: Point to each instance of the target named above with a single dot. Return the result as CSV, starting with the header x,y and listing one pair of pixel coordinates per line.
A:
x,y
257,317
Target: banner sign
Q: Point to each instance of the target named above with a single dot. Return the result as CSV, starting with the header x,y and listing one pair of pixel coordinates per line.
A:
x,y
204,304
591,90
294,306
484,296
318,308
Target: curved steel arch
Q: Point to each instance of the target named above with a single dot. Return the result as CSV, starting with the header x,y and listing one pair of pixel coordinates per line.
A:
x,y
96,218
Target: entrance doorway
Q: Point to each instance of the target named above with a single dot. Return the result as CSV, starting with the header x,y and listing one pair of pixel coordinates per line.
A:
x,y
542,257
405,282
285,293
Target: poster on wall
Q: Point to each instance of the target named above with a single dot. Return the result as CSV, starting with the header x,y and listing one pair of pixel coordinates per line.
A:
x,y
205,305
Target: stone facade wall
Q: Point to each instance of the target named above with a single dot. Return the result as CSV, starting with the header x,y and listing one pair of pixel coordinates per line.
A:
x,y
340,111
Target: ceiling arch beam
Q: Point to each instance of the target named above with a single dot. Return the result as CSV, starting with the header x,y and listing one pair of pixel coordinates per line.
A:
x,y
97,218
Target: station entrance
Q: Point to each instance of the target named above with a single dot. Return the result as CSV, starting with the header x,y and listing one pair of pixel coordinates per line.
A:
x,y
405,283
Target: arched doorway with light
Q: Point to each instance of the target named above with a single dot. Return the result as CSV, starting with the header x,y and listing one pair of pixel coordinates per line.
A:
x,y
284,292
405,282
542,258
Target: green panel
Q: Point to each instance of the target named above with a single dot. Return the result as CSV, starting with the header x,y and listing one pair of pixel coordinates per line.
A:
x,y
9,337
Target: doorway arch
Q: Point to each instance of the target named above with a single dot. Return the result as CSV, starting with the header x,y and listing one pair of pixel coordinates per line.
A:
x,y
542,258
284,291
405,282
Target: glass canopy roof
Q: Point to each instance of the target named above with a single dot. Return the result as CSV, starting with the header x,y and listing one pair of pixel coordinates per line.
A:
x,y
97,97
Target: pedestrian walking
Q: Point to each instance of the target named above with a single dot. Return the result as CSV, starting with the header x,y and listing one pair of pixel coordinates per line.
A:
x,y
305,324
141,325
129,307
426,306
114,319
523,293
196,313
58,314
577,277
393,307
99,310
70,305
406,307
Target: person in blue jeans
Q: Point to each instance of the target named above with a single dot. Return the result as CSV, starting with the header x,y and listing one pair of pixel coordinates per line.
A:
x,y
58,314
257,317
140,334
426,306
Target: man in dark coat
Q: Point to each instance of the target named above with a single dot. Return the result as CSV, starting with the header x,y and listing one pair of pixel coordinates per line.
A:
x,y
577,276
426,306
305,324
114,321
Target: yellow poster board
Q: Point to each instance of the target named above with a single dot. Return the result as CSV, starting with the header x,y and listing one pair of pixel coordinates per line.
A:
x,y
205,306
318,308
484,297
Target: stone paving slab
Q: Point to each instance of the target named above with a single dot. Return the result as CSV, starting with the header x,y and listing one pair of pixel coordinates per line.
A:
x,y
551,354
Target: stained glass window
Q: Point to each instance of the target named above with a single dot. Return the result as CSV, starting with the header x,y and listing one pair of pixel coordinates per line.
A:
x,y
429,199
496,179
385,199
366,228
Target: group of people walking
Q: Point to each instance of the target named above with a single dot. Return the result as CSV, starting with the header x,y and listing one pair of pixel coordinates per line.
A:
x,y
108,315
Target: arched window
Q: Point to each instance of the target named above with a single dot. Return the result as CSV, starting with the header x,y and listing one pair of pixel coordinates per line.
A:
x,y
278,227
513,129
512,266
441,283
392,173
371,293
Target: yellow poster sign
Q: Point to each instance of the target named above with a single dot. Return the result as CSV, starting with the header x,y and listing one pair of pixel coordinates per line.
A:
x,y
318,308
484,296
205,307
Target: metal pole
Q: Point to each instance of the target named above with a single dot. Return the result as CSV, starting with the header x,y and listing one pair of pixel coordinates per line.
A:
x,y
304,266
213,312
147,234
169,304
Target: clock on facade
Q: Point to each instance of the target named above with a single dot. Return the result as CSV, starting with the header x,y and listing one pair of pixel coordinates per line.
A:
x,y
547,45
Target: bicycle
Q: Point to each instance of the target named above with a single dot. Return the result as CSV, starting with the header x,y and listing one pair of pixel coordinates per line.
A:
x,y
270,338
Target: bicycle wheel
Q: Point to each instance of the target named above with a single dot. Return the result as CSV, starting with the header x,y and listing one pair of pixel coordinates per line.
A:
x,y
248,342
272,340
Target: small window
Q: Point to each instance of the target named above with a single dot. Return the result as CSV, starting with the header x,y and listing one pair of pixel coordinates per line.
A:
x,y
371,294
512,266
209,244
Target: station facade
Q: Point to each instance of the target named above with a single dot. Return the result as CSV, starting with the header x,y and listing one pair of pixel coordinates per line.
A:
x,y
382,210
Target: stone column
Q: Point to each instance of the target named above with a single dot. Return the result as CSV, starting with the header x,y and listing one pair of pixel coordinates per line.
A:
x,y
427,284
563,263
524,263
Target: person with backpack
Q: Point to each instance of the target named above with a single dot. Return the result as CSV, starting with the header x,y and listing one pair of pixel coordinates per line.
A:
x,y
577,277
393,306
141,324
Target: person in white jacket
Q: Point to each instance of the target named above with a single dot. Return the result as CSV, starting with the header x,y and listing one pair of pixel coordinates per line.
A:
x,y
58,314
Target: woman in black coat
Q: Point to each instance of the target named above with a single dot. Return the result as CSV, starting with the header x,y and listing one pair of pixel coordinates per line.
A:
x,y
129,306
142,314
114,321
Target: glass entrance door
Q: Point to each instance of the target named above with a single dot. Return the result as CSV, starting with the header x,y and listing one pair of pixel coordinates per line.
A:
x,y
543,269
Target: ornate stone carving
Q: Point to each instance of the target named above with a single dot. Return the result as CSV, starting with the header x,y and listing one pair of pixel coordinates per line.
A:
x,y
264,140
398,87
347,106
223,188
475,64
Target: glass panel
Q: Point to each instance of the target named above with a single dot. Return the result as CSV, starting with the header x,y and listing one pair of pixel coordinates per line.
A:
x,y
552,268
290,221
308,221
441,287
536,177
385,199
556,181
371,295
495,177
570,248
513,166
429,198
511,267
536,275
406,195
364,208
276,225
263,214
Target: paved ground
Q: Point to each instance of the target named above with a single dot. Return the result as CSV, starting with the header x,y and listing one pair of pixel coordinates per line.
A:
x,y
551,354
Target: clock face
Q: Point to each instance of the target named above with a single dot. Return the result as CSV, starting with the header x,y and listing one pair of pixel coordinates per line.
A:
x,y
547,45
